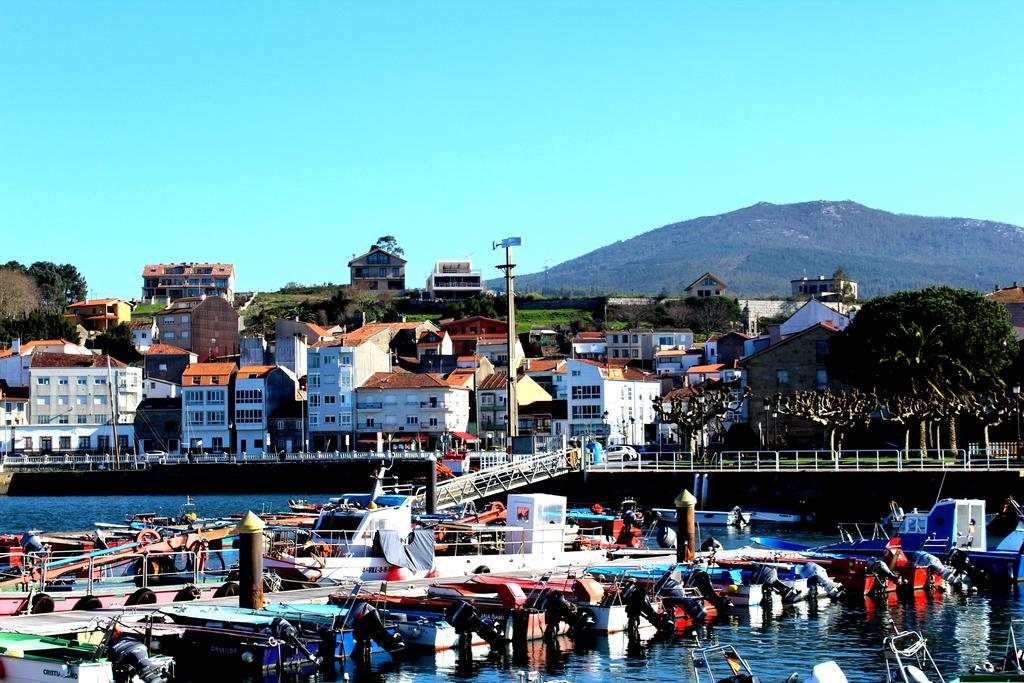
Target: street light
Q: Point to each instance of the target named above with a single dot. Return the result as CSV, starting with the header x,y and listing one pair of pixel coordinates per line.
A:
x,y
1016,393
607,429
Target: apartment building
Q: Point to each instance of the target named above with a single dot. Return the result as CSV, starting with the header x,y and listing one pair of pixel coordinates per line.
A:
x,y
590,345
167,362
642,345
80,403
492,400
13,414
454,279
610,402
335,368
164,282
414,410
259,391
205,325
551,374
207,405
378,272
823,287
16,361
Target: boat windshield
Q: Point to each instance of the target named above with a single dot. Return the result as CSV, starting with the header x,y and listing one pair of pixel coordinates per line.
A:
x,y
339,522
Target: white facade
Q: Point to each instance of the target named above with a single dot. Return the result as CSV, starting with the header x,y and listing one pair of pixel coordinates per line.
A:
x,y
159,388
496,351
454,280
333,374
813,313
144,335
589,348
14,364
205,412
74,409
258,392
420,410
609,402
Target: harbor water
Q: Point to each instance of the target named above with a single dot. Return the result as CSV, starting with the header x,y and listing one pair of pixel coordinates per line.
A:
x,y
963,630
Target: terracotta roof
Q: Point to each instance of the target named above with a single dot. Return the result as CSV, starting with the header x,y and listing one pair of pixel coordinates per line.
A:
x,y
470,319
595,336
319,331
681,393
467,359
140,324
546,365
254,371
704,369
165,350
218,268
707,274
207,372
404,380
1008,295
498,380
95,302
672,352
73,360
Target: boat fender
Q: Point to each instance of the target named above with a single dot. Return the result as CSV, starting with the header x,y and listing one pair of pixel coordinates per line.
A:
x,y
666,536
147,536
397,573
131,660
368,625
588,590
227,590
89,603
482,569
41,604
142,596
30,543
189,593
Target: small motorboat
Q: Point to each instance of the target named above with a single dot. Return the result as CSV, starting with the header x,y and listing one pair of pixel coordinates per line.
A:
x,y
26,658
723,664
732,518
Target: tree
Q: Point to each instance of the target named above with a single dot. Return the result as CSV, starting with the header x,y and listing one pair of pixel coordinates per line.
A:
x,y
19,295
837,412
389,244
842,286
58,285
38,325
118,342
693,413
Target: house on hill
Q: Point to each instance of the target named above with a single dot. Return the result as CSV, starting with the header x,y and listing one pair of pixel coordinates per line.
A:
x,y
706,285
377,272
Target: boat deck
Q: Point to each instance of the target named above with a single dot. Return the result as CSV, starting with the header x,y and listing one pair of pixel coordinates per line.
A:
x,y
74,622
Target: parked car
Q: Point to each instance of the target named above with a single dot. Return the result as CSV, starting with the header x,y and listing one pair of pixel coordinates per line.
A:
x,y
621,452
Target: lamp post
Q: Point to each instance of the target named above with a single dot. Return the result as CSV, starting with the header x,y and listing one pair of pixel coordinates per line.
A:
x,y
607,428
1016,393
513,406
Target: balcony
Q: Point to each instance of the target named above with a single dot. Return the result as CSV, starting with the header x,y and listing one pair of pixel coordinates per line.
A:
x,y
369,406
438,405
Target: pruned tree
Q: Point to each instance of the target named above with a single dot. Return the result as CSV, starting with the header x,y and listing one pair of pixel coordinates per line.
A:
x,y
837,411
693,413
19,295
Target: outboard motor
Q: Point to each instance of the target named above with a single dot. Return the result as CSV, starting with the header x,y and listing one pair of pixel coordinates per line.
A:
x,y
818,579
711,544
466,620
936,568
960,561
368,625
558,609
638,604
665,536
700,580
880,570
131,660
630,518
673,595
30,543
286,633
768,578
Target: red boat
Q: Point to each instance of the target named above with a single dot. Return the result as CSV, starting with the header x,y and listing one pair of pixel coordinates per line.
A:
x,y
887,574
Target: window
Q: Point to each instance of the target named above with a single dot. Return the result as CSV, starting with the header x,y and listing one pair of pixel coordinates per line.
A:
x,y
580,393
217,443
586,412
314,420
330,419
183,334
257,443
370,422
84,443
821,379
486,399
168,336
82,381
575,373
346,418
216,379
433,422
83,419
80,400
635,339
62,419
664,341
214,396
249,416
216,418
46,443
43,401
62,381
184,319
100,381
249,396
170,319
820,351
314,361
65,443
43,381
62,400
314,381
378,257
314,400
195,380
328,360
782,378
412,419
330,400
103,443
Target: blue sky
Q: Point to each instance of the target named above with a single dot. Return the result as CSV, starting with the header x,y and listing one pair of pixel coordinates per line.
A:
x,y
284,137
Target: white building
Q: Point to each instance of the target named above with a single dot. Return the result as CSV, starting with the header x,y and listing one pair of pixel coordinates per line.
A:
x,y
13,414
813,313
495,348
454,280
154,387
643,344
335,368
551,374
15,361
610,401
406,408
259,390
143,333
590,345
80,403
206,399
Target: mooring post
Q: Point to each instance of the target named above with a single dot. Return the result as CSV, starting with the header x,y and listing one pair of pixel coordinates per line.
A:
x,y
431,492
686,525
250,561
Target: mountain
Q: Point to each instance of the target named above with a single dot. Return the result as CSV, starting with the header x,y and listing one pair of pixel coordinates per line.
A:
x,y
759,249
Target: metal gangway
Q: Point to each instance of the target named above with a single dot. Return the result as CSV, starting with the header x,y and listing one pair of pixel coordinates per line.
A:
x,y
518,471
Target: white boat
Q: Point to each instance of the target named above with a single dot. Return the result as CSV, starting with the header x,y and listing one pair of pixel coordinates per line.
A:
x,y
734,518
26,658
360,537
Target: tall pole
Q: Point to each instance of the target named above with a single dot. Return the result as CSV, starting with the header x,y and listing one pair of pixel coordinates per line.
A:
x,y
512,407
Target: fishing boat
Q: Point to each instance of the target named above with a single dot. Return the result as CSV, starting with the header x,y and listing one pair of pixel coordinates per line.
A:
x,y
371,537
26,658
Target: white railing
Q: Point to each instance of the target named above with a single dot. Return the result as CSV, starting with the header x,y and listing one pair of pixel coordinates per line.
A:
x,y
861,460
502,477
